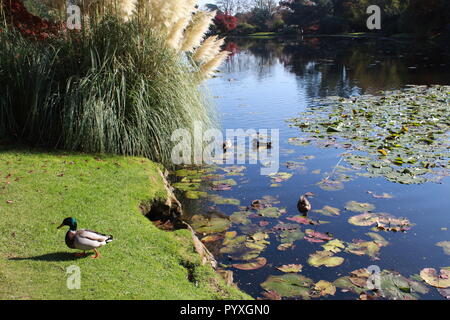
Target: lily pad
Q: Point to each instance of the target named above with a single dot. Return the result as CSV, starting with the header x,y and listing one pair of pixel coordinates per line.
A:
x,y
290,236
280,177
370,248
294,268
359,206
324,258
289,285
257,263
430,276
329,211
316,237
445,245
240,217
271,212
334,246
285,246
323,288
303,220
221,200
210,223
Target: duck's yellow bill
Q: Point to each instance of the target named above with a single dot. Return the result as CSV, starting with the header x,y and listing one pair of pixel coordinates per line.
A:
x,y
60,226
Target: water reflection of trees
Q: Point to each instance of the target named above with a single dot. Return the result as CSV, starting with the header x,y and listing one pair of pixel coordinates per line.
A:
x,y
343,66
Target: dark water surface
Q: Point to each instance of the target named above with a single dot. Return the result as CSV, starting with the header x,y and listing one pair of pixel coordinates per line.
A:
x,y
267,82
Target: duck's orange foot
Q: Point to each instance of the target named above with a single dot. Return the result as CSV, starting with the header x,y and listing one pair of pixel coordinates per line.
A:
x,y
97,254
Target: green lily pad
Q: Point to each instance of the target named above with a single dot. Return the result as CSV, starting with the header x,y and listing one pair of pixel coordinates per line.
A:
x,y
221,200
280,177
210,223
334,246
289,285
370,248
271,212
324,258
240,217
359,206
258,263
329,211
323,288
290,236
186,186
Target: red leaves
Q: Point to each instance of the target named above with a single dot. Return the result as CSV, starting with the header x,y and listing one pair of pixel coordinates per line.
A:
x,y
225,22
29,25
316,237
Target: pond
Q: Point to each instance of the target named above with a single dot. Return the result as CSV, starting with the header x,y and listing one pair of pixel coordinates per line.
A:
x,y
265,83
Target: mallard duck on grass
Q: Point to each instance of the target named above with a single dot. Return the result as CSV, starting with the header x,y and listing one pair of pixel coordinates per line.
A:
x,y
83,239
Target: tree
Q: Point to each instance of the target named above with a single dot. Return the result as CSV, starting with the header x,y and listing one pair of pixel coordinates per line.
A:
x,y
225,22
232,7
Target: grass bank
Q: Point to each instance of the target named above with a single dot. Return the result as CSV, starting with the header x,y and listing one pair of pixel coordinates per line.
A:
x,y
38,190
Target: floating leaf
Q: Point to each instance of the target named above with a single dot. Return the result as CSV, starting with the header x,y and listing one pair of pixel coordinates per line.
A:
x,y
330,185
383,221
370,248
285,246
334,246
221,200
212,238
445,293
430,276
384,195
323,288
291,268
378,239
316,237
271,295
289,285
324,258
358,206
280,176
303,220
445,245
240,217
329,211
258,263
210,223
290,236
271,212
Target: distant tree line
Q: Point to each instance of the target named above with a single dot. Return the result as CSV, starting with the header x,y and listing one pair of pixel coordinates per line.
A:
x,y
420,17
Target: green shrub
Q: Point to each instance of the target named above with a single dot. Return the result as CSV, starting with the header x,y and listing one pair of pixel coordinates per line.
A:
x,y
245,28
115,89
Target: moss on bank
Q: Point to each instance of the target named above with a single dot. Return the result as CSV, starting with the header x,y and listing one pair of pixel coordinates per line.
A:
x,y
38,190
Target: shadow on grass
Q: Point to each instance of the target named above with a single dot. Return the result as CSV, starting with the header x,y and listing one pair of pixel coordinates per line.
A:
x,y
55,256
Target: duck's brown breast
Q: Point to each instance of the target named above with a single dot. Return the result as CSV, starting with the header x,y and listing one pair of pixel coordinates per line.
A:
x,y
70,239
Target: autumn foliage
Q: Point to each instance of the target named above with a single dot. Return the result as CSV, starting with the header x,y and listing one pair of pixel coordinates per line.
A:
x,y
225,22
17,15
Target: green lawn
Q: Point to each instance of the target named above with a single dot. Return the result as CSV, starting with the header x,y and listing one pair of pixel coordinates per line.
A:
x,y
38,190
263,35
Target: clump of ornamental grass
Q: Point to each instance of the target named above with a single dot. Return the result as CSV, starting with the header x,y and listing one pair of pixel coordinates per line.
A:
x,y
123,84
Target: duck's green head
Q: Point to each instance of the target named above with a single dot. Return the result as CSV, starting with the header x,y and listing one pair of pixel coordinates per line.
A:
x,y
71,222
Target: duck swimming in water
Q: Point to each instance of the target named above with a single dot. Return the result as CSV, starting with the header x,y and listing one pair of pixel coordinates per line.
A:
x,y
83,239
303,204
